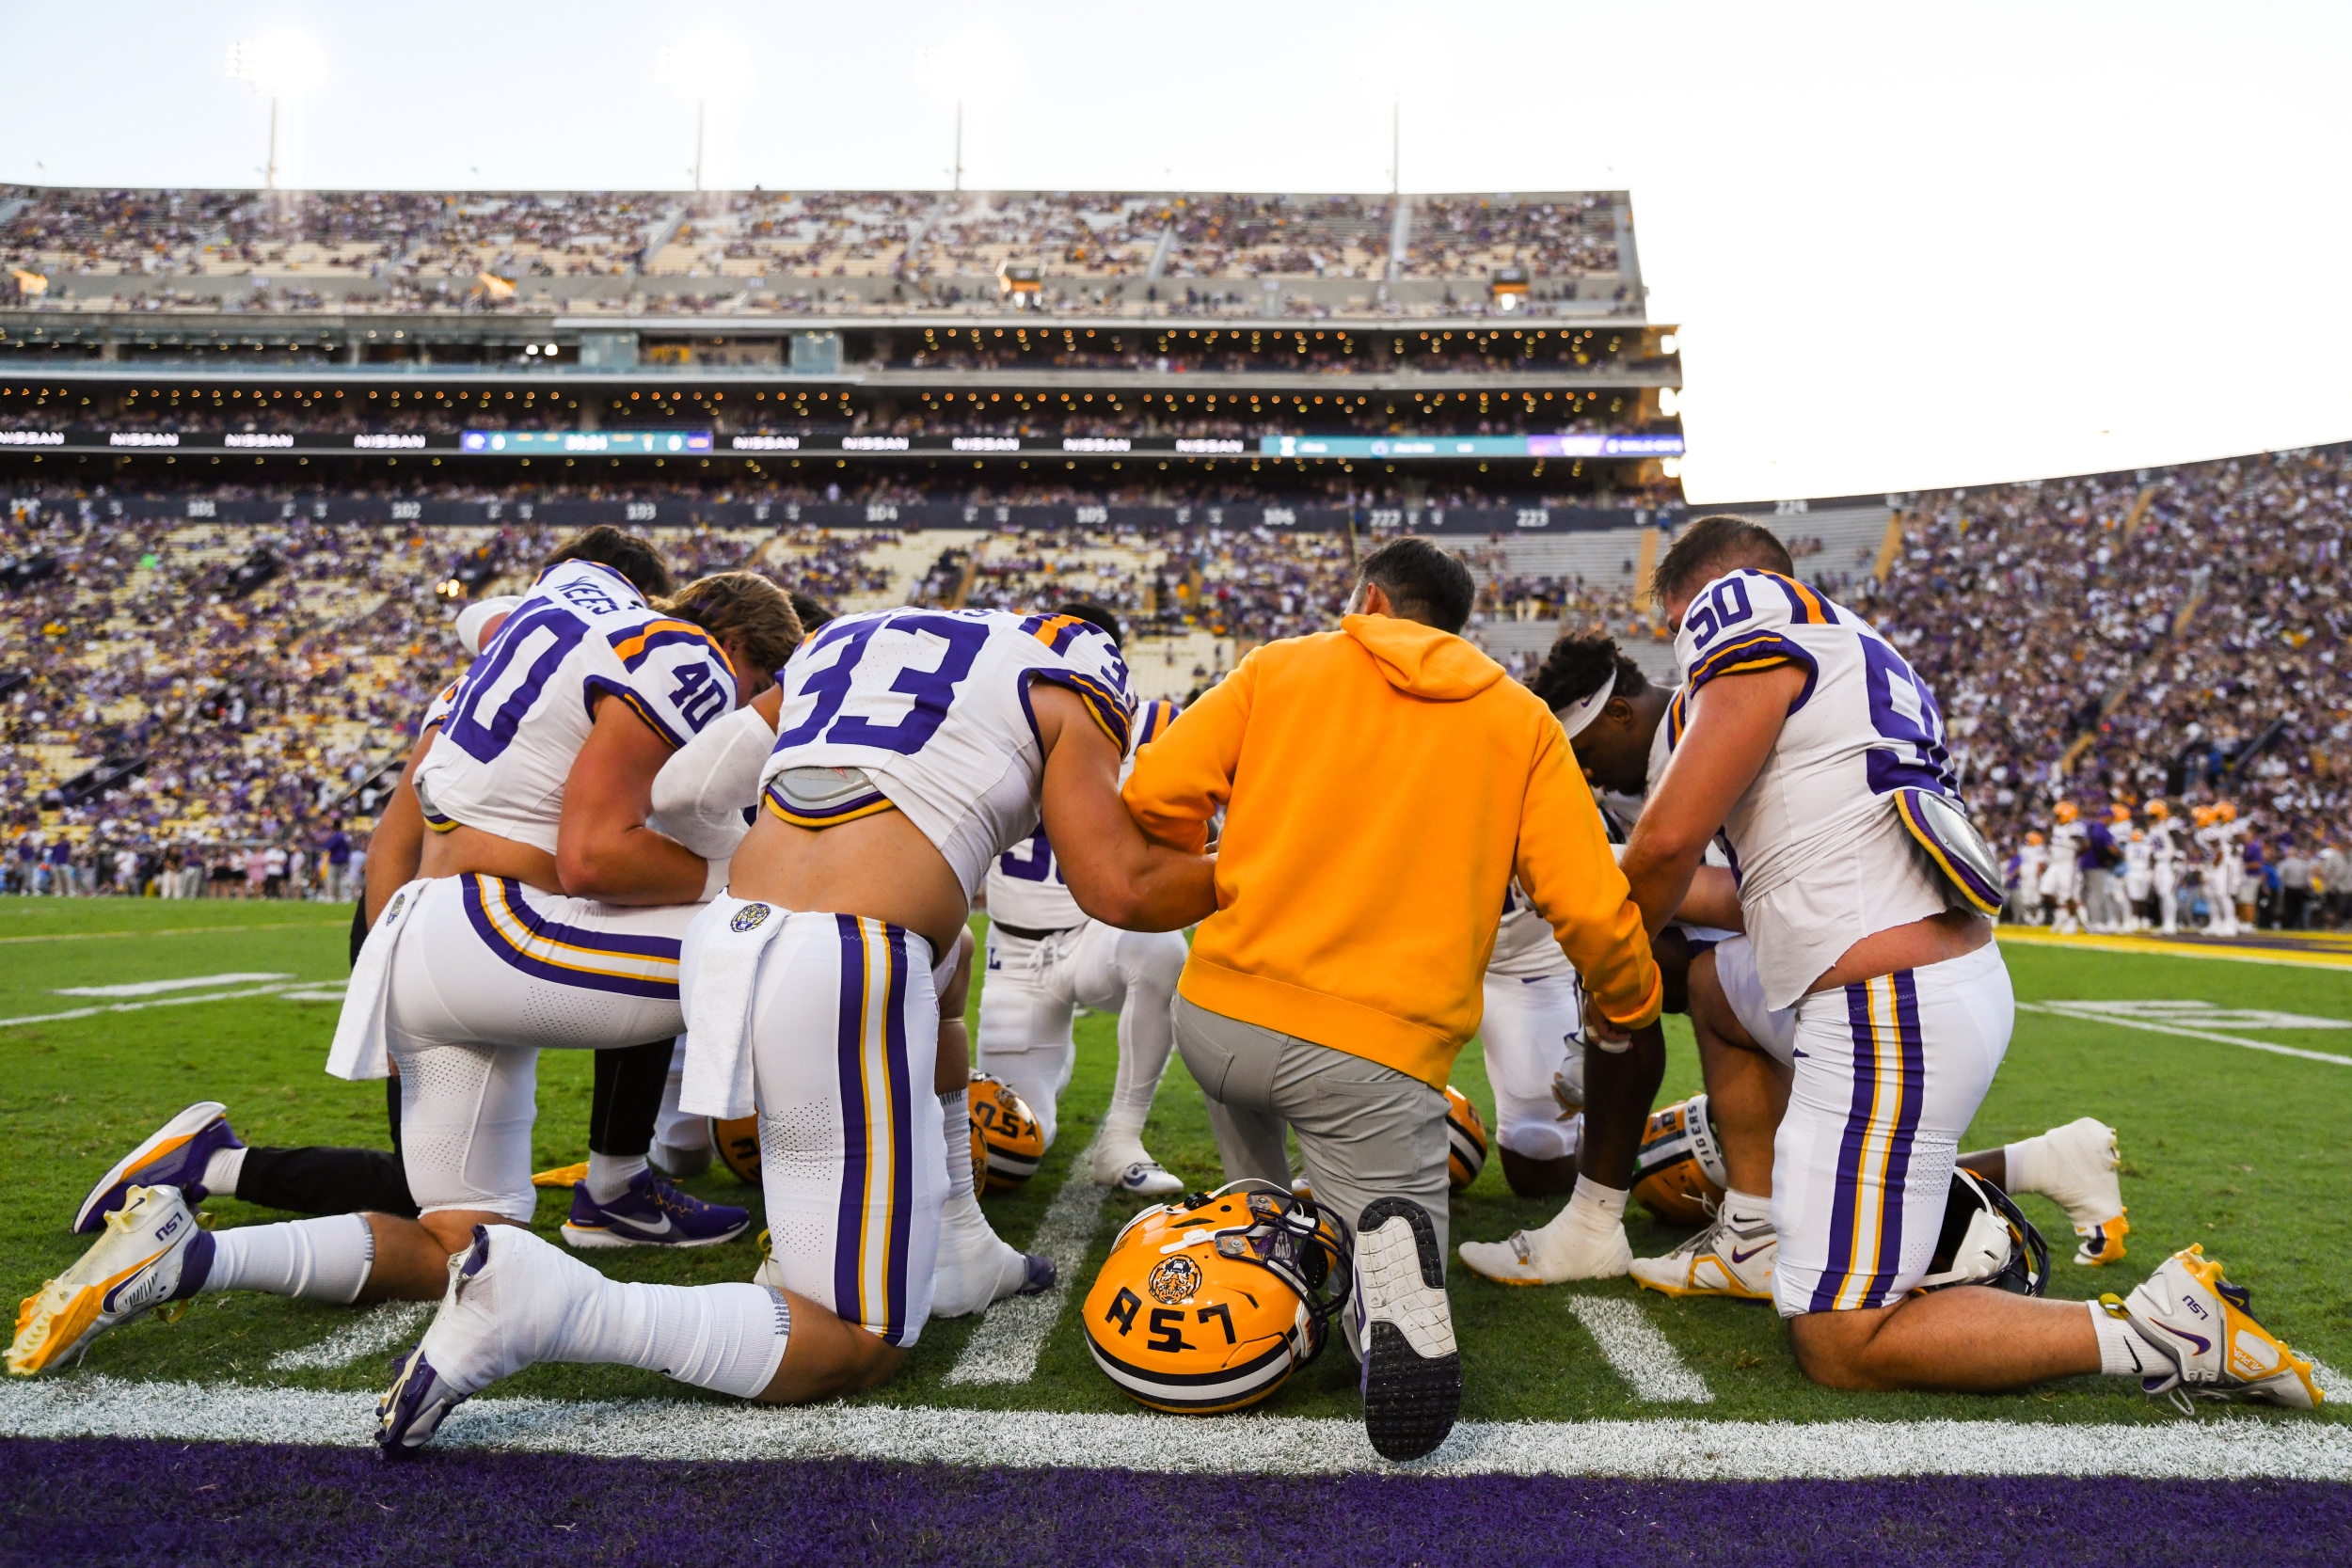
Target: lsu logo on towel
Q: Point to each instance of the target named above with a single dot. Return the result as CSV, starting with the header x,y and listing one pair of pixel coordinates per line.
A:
x,y
747,918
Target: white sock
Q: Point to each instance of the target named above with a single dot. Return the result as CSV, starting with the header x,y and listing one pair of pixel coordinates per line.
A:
x,y
2120,1353
609,1175
955,1114
221,1169
1595,1205
730,1337
2025,1162
1745,1209
320,1259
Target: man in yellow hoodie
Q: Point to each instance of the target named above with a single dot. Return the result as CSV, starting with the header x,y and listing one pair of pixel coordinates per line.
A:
x,y
1382,785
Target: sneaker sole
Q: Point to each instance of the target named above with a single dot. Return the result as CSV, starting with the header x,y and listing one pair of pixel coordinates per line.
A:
x,y
1411,1402
583,1241
404,1409
174,1134
52,1326
1729,1293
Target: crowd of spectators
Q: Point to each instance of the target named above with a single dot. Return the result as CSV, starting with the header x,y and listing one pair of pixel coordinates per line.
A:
x,y
2177,635
1260,348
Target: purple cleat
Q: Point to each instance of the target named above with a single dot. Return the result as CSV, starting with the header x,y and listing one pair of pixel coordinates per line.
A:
x,y
651,1214
412,1410
174,1155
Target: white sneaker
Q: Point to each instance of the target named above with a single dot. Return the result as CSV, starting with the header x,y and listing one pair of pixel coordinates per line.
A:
x,y
975,1270
143,1250
2079,1174
2201,1324
1724,1260
1572,1246
1131,1170
1412,1374
509,1297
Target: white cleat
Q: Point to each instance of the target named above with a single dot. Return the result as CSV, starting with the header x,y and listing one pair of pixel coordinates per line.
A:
x,y
1131,1170
145,1250
509,1297
1412,1373
2207,1342
1724,1260
976,1268
1570,1247
2080,1176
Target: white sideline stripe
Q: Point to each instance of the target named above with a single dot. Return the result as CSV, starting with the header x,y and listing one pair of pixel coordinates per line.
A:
x,y
2187,1033
2217,1446
182,931
159,1001
1005,1348
155,987
1631,1344
385,1328
2286,958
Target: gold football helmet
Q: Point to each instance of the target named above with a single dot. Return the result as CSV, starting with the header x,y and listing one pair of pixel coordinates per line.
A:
x,y
1679,1175
737,1139
1208,1304
1465,1140
1007,1142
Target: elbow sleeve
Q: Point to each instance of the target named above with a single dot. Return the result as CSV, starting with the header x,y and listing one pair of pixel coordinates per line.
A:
x,y
700,794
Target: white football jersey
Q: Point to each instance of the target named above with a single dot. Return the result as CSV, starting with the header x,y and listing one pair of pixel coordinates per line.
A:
x,y
2164,844
1026,886
1822,858
932,707
522,710
1526,947
2067,841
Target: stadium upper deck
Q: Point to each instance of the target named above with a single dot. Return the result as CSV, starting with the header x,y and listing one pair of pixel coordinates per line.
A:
x,y
1566,255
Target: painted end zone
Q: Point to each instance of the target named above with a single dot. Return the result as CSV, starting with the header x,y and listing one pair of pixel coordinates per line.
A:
x,y
128,1501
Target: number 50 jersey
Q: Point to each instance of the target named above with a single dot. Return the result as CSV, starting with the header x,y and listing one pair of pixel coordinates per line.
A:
x,y
1821,856
523,711
928,711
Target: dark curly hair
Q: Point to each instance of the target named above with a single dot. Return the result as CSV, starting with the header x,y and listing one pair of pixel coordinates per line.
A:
x,y
1579,665
628,554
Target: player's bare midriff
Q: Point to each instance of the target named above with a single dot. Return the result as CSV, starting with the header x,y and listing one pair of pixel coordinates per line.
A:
x,y
1937,938
878,867
463,849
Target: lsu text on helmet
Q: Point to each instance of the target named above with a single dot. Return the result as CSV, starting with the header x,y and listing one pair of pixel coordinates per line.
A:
x,y
1007,1142
1679,1175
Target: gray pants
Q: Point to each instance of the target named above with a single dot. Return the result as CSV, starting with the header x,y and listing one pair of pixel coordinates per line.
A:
x,y
1367,1131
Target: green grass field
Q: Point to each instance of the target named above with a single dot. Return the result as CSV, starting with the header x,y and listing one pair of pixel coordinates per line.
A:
x,y
2240,1149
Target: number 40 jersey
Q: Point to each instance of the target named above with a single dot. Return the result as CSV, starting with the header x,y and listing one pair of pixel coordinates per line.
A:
x,y
928,711
1822,856
523,710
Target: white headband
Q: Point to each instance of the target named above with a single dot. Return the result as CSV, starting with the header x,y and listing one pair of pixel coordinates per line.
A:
x,y
1577,719
478,614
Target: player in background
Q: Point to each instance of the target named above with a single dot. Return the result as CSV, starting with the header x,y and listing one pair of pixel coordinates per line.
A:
x,y
1811,745
912,746
2139,873
2033,866
548,915
2062,885
2164,864
1046,958
2226,874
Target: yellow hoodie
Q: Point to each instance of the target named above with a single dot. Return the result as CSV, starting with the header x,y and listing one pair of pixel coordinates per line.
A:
x,y
1382,784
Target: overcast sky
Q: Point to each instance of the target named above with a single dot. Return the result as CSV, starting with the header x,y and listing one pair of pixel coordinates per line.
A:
x,y
1910,246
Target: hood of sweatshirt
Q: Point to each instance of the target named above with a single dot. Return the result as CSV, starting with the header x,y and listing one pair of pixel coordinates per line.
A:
x,y
1422,659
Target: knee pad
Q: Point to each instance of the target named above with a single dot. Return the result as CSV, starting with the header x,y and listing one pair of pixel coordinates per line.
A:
x,y
466,1115
1533,1131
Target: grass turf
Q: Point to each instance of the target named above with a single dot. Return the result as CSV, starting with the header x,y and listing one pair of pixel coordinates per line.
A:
x,y
2236,1149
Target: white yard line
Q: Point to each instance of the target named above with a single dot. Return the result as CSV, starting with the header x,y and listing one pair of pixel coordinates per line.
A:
x,y
2186,1034
1005,1348
159,1001
391,1326
1640,1354
156,987
2216,1446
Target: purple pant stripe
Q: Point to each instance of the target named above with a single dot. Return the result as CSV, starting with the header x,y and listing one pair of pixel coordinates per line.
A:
x,y
850,1043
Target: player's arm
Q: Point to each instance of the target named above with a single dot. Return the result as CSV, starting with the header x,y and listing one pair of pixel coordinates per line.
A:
x,y
603,848
397,846
1713,900
1734,721
1565,865
1116,874
700,795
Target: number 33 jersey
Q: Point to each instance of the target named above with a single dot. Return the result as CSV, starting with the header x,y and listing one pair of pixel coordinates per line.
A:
x,y
523,710
928,711
1821,856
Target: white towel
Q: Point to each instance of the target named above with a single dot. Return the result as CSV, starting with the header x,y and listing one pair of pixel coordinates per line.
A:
x,y
717,971
358,1052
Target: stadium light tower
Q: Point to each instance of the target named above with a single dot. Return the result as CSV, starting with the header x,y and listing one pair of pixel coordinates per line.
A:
x,y
975,64
704,69
283,65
